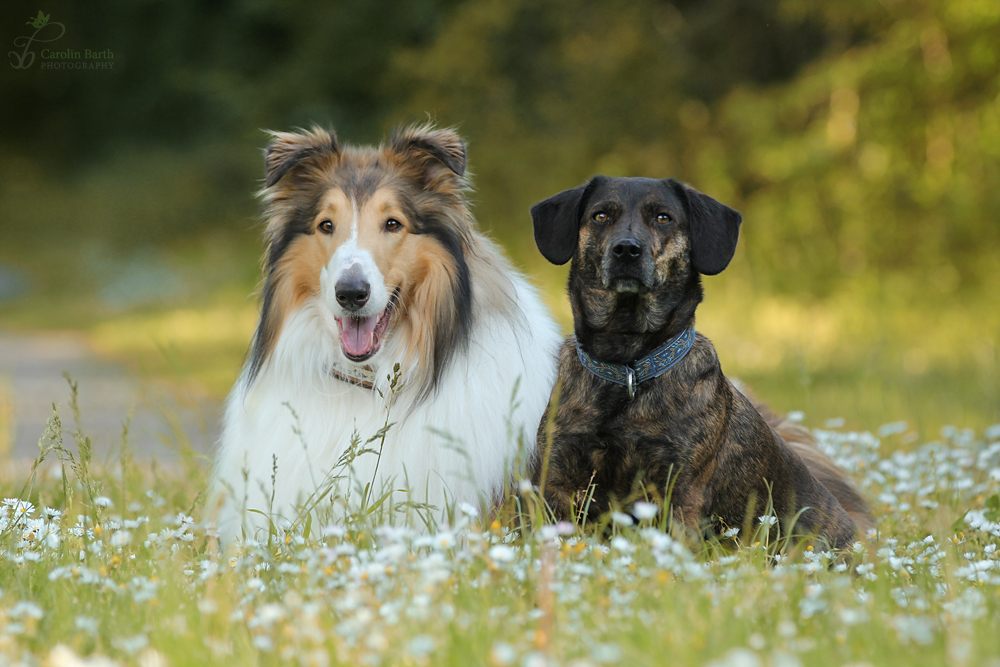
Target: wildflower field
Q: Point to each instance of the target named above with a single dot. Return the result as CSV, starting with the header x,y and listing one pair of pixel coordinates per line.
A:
x,y
118,565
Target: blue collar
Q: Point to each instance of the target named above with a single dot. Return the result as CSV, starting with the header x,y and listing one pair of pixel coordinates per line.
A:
x,y
654,364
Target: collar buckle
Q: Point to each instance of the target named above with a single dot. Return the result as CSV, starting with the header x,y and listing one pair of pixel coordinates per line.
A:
x,y
630,382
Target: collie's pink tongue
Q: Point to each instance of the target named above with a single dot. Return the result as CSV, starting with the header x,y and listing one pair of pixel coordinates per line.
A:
x,y
356,334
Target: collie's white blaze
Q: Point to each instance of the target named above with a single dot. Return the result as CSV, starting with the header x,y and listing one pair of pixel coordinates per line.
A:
x,y
354,219
350,255
457,445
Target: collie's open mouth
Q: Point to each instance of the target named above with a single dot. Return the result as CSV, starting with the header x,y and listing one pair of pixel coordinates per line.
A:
x,y
360,337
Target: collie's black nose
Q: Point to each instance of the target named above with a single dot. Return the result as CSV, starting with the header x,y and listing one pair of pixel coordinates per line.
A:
x,y
352,292
627,250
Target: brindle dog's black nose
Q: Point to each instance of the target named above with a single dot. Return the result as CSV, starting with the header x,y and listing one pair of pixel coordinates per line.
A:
x,y
352,292
627,250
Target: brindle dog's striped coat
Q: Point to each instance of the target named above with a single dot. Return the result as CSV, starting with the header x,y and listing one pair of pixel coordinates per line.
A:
x,y
639,247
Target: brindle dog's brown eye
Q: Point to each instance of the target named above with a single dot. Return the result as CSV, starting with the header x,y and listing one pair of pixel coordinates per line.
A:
x,y
326,227
664,218
392,225
601,217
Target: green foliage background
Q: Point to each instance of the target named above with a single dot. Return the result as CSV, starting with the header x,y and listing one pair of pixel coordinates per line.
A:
x,y
860,139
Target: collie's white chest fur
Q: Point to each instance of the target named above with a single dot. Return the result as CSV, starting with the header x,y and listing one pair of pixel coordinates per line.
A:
x,y
286,430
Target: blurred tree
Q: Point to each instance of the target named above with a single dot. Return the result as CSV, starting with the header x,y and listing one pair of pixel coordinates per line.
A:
x,y
878,165
188,73
860,139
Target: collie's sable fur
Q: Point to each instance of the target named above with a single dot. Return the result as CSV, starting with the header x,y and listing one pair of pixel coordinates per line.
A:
x,y
372,259
639,247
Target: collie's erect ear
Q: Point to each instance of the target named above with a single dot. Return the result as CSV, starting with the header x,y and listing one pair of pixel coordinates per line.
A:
x,y
715,229
557,222
434,153
289,149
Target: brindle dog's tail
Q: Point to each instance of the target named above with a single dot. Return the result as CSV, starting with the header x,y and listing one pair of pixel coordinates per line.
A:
x,y
826,471
819,464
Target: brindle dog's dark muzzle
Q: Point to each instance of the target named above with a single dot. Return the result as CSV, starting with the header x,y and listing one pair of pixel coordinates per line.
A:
x,y
628,262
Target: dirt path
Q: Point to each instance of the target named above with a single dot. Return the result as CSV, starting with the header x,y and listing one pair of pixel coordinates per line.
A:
x,y
31,380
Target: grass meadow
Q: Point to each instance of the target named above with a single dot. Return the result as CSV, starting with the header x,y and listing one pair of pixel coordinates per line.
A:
x,y
116,563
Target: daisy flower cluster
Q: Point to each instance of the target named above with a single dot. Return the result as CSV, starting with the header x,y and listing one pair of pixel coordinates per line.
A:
x,y
138,577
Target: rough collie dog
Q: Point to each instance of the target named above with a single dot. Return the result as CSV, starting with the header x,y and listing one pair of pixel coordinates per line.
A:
x,y
373,259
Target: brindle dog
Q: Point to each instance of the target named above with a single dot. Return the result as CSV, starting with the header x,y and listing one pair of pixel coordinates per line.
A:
x,y
639,247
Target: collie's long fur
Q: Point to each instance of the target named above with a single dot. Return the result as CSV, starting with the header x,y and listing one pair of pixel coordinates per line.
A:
x,y
374,259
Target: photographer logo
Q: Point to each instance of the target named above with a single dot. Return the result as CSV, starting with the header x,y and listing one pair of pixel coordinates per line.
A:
x,y
51,31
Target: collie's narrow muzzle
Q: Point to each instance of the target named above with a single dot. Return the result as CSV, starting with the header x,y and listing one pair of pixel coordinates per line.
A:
x,y
360,302
361,330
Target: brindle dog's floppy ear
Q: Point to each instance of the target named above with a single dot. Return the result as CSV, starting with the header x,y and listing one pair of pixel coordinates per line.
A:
x,y
715,229
287,149
437,154
557,222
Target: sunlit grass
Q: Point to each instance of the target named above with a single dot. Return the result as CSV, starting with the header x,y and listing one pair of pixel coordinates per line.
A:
x,y
6,417
865,361
199,347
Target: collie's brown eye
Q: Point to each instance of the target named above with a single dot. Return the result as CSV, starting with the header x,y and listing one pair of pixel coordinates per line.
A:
x,y
601,217
326,227
393,225
664,218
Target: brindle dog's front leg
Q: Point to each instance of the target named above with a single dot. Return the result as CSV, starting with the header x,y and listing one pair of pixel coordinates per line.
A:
x,y
564,471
